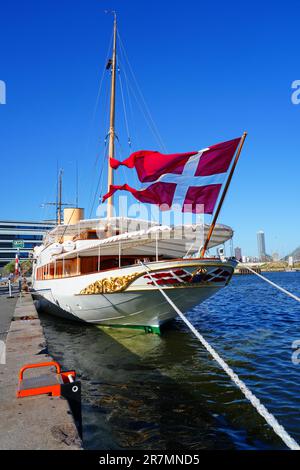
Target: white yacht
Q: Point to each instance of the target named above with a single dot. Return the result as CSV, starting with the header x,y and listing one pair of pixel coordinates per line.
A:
x,y
83,271
106,271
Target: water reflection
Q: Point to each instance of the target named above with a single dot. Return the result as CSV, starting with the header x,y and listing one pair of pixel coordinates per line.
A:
x,y
149,392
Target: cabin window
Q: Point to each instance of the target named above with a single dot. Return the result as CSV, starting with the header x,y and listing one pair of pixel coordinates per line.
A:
x,y
92,235
51,270
59,268
86,265
70,267
89,264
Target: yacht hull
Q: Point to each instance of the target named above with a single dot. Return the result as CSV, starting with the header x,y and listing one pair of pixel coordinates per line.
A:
x,y
104,298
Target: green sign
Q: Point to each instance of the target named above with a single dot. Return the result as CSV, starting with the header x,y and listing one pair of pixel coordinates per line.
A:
x,y
18,243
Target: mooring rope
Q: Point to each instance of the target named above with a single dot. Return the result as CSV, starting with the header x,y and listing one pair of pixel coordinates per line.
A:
x,y
274,285
260,408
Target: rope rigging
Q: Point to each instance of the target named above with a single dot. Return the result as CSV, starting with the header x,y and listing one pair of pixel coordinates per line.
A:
x,y
130,106
101,163
124,108
147,114
100,181
129,91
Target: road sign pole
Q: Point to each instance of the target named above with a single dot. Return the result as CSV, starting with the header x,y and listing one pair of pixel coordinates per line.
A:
x,y
20,280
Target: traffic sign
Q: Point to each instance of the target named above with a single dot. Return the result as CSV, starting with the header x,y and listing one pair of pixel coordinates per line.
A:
x,y
18,243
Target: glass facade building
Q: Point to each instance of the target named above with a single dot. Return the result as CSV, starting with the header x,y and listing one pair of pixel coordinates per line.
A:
x,y
238,253
261,245
30,233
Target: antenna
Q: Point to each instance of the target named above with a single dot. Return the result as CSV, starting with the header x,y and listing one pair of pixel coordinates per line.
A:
x,y
113,12
59,204
77,184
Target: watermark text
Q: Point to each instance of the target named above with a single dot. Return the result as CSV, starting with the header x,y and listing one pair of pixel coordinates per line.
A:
x,y
296,353
2,92
295,97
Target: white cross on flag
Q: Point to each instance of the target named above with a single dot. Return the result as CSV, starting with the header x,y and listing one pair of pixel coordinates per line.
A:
x,y
193,179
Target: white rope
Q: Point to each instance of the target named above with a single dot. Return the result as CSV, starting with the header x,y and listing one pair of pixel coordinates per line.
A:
x,y
99,183
275,285
260,408
155,129
190,249
132,114
124,109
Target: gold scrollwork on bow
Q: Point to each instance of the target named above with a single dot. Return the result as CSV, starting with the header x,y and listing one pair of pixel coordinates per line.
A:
x,y
110,285
200,271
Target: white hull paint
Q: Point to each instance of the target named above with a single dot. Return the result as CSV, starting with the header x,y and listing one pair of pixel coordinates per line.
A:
x,y
140,304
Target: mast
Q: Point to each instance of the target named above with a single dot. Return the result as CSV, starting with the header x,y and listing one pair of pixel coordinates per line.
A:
x,y
59,197
58,203
111,148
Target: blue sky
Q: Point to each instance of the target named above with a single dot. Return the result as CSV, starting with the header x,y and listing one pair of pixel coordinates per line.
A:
x,y
208,71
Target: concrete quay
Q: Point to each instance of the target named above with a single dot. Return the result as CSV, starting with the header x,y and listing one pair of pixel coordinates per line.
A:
x,y
40,422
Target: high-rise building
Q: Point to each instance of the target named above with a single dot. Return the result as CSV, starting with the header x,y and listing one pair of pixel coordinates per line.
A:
x,y
261,245
238,253
20,237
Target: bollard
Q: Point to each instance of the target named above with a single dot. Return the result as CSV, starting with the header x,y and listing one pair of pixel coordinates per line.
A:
x,y
20,288
10,296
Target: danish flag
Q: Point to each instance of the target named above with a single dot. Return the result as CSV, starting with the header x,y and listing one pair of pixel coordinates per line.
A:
x,y
192,179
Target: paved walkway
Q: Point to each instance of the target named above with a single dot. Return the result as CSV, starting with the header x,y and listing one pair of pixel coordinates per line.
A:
x,y
39,422
7,307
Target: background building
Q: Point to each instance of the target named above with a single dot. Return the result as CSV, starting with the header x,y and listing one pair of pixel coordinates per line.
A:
x,y
261,245
20,237
238,253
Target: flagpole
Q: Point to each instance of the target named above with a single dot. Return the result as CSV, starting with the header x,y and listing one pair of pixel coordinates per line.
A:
x,y
213,224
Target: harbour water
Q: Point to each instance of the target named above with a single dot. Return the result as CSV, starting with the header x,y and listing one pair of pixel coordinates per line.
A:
x,y
165,392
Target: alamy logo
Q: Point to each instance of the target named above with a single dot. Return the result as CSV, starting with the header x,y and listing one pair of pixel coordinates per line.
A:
x,y
296,353
2,352
2,92
295,97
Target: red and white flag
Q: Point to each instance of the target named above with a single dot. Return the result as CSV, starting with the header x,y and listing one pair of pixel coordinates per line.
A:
x,y
17,265
193,179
